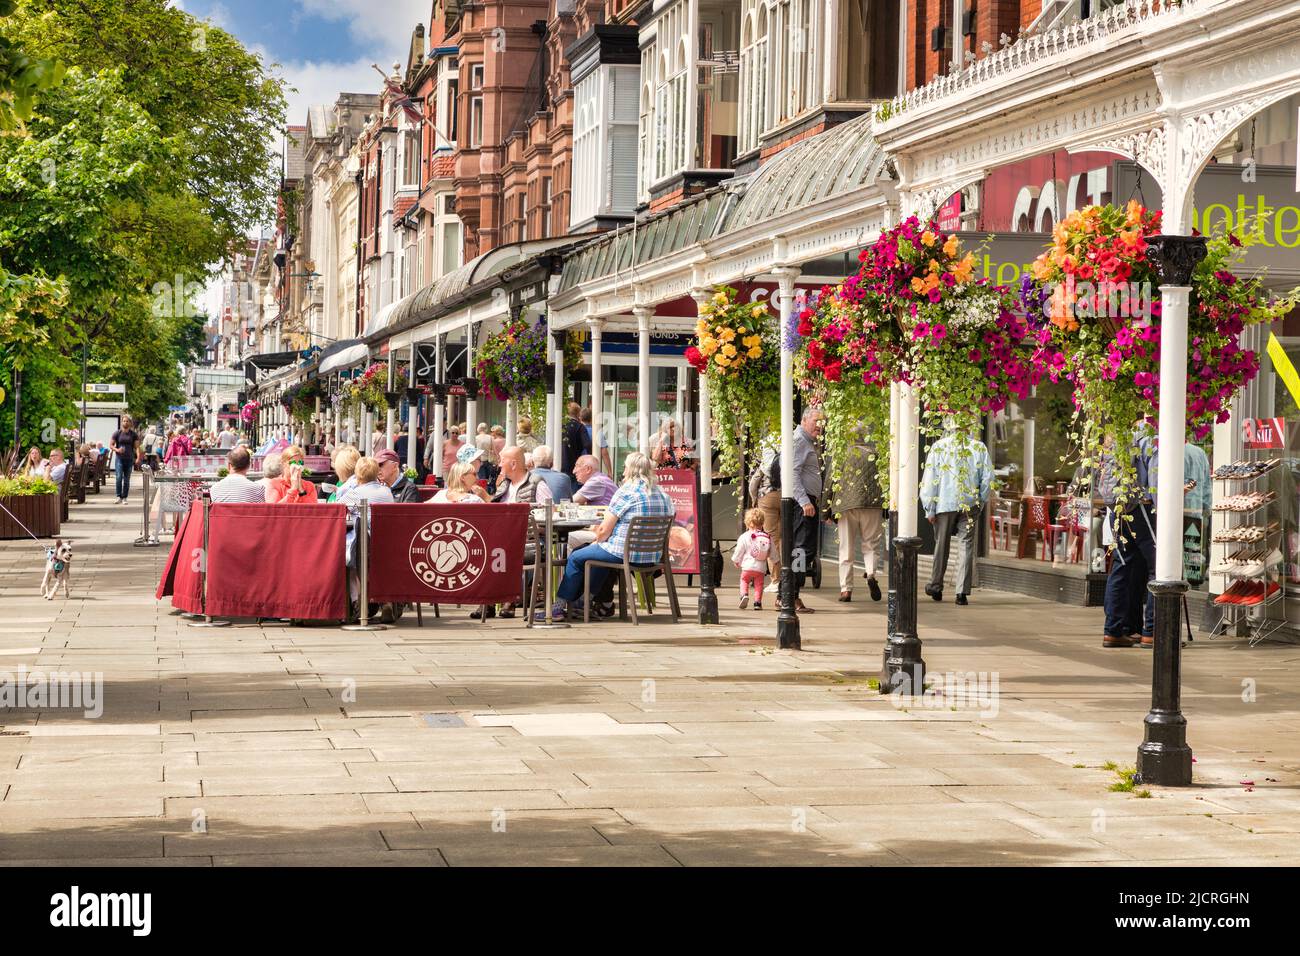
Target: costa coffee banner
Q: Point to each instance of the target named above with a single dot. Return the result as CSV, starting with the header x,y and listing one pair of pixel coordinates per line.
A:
x,y
447,554
683,539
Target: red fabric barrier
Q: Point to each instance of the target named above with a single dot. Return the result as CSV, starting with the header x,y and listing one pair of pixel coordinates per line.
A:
x,y
181,579
447,554
273,561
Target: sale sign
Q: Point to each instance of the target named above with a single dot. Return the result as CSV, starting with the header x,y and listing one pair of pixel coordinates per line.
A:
x,y
683,538
1264,432
447,553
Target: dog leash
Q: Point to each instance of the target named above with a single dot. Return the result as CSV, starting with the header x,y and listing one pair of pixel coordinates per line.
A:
x,y
49,552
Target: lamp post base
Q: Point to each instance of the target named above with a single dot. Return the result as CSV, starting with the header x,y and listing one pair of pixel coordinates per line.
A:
x,y
903,671
708,607
787,619
1164,759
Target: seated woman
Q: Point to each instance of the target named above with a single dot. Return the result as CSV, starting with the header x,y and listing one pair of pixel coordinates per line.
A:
x,y
639,494
344,463
291,488
368,488
462,486
33,464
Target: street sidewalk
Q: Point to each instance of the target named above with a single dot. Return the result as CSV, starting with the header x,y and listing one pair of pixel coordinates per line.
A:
x,y
461,743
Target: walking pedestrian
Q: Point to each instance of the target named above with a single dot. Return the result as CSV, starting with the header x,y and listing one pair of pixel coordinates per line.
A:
x,y
858,505
1133,565
765,492
954,488
750,556
807,492
125,444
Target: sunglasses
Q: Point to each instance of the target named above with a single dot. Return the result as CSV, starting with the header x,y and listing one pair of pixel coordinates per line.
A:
x,y
298,461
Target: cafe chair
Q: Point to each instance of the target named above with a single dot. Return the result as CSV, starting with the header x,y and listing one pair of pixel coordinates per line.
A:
x,y
1004,522
1038,521
538,569
644,533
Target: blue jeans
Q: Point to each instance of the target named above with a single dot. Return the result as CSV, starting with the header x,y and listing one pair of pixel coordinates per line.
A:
x,y
571,583
122,470
1136,546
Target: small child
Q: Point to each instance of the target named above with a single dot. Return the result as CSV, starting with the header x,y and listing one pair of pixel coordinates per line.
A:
x,y
750,555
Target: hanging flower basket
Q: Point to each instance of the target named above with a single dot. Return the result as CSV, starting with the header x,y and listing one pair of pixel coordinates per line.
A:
x,y
1098,287
737,348
369,388
511,364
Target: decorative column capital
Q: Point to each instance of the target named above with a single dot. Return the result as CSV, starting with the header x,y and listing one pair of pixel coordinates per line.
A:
x,y
470,384
785,277
439,392
1177,257
596,324
701,295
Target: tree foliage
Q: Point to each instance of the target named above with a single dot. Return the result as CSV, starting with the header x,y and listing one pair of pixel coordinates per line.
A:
x,y
137,179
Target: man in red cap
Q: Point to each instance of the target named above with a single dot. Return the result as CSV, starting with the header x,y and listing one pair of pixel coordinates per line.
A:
x,y
391,474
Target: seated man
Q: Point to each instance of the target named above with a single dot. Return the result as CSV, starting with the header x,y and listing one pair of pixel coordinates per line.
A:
x,y
639,494
596,488
391,474
516,483
236,488
56,467
544,468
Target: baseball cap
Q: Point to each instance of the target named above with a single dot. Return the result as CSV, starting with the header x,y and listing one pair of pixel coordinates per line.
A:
x,y
388,455
469,453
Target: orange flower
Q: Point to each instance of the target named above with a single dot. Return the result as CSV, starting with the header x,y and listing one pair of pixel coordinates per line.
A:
x,y
1133,213
928,238
918,284
951,246
964,270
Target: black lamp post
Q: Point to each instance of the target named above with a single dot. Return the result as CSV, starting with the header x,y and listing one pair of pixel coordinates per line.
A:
x,y
1164,758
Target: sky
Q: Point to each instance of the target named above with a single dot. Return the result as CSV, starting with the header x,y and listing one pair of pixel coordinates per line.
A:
x,y
323,47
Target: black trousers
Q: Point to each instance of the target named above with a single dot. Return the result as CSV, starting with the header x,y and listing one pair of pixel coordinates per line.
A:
x,y
803,547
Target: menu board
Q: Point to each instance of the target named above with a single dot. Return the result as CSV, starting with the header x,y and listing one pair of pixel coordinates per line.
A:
x,y
683,540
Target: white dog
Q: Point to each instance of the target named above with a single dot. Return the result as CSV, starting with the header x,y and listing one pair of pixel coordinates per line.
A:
x,y
58,567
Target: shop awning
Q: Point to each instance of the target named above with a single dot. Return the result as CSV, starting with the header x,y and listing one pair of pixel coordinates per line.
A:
x,y
842,160
342,355
267,362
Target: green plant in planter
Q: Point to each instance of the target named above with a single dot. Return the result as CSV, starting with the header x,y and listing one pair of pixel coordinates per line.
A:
x,y
24,486
411,474
223,472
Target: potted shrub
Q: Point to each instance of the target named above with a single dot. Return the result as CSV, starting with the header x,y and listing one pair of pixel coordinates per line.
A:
x,y
28,501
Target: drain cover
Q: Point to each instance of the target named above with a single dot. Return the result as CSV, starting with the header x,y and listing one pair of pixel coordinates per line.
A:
x,y
443,720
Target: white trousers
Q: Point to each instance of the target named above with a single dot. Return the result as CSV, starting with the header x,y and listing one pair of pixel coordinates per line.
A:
x,y
859,526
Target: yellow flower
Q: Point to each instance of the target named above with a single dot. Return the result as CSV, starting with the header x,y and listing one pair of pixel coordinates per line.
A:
x,y
722,360
759,308
720,298
755,353
708,346
701,328
727,334
928,238
729,351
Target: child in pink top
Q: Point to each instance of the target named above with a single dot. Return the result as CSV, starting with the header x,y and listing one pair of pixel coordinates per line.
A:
x,y
750,556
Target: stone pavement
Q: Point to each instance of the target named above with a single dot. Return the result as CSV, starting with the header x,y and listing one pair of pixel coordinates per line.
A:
x,y
668,745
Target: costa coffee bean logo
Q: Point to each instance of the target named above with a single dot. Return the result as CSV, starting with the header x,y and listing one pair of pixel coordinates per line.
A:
x,y
448,554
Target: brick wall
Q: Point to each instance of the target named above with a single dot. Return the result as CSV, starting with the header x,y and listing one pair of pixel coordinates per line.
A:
x,y
992,19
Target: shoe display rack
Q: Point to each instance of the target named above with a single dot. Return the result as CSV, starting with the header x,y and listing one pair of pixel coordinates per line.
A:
x,y
1248,522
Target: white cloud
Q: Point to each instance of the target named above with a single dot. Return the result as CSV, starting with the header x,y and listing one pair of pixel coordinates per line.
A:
x,y
320,82
380,21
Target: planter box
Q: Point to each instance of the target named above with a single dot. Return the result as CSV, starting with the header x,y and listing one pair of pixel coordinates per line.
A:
x,y
40,513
